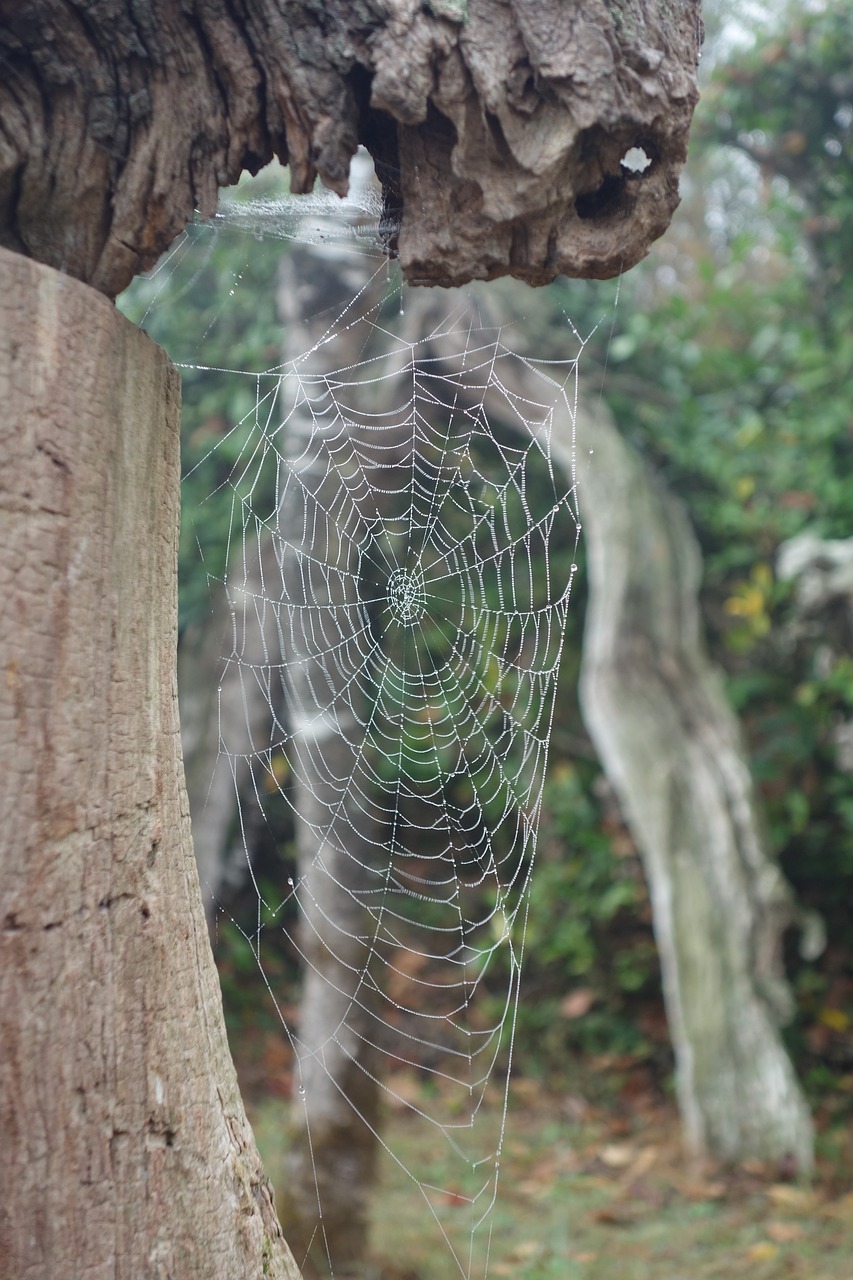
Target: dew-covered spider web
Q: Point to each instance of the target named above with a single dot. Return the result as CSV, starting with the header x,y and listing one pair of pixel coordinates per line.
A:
x,y
402,528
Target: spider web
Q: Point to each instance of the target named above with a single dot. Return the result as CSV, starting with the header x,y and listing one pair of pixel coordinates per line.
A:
x,y
403,529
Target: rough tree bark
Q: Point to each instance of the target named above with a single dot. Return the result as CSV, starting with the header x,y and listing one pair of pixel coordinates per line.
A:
x,y
657,712
126,1149
499,127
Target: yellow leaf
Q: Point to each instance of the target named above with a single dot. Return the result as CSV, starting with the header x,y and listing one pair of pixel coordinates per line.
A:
x,y
795,1199
835,1019
762,1252
279,772
617,1155
749,603
526,1250
744,487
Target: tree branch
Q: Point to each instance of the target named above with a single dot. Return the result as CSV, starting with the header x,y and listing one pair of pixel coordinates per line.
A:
x,y
499,127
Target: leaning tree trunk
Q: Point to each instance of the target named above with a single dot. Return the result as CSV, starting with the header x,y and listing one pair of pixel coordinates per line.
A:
x,y
499,127
322,541
332,1148
126,1151
671,746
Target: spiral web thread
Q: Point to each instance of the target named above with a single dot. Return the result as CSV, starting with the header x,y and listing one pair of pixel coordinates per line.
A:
x,y
404,523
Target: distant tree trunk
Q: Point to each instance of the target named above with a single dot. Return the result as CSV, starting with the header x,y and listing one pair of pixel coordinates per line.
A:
x,y
216,701
321,535
499,127
126,1150
671,746
333,1149
212,781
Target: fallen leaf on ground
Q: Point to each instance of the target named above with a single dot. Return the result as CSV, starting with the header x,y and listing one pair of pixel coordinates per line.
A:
x,y
762,1252
784,1232
797,1199
613,1217
455,1198
617,1155
591,1181
574,1107
535,1186
526,1250
699,1191
842,1208
404,1089
642,1164
525,1089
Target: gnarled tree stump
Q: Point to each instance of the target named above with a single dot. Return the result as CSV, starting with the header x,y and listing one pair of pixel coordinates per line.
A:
x,y
499,127
126,1150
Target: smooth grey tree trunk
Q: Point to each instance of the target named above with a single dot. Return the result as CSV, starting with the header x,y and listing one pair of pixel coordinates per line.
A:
x,y
340,824
126,1150
216,702
671,746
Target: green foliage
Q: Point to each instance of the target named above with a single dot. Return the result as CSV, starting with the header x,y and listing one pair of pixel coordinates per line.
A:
x,y
750,422
789,105
211,304
590,959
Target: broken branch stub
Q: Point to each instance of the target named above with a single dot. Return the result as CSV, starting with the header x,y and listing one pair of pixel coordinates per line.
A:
x,y
530,138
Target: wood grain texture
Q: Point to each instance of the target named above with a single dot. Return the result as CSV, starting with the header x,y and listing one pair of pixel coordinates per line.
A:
x,y
498,126
126,1151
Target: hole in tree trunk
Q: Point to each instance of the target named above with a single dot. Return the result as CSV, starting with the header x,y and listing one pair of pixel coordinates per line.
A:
x,y
605,202
636,161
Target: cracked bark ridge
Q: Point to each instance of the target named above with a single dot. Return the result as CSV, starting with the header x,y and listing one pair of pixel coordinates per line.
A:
x,y
126,1149
498,127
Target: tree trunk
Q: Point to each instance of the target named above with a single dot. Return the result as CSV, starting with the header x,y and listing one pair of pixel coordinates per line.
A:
x,y
322,537
499,127
126,1149
657,712
218,706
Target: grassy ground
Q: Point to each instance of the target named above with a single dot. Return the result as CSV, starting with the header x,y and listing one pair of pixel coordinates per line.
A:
x,y
594,1192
